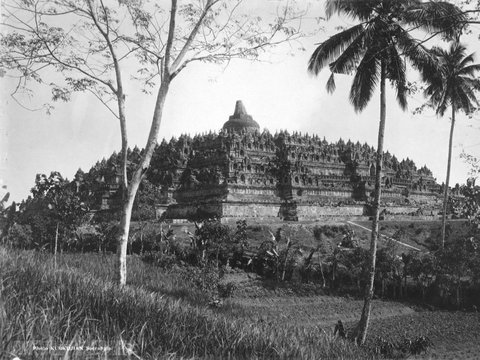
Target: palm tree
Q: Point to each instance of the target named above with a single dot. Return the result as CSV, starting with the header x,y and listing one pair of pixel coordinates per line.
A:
x,y
453,84
374,51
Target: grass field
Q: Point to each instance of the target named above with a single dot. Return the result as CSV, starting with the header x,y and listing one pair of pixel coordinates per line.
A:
x,y
164,317
455,335
160,316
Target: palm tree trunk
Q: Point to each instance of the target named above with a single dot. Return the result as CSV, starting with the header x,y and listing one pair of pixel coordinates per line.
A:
x,y
447,180
365,318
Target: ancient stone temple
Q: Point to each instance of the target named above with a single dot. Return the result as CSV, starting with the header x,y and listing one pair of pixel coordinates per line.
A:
x,y
242,172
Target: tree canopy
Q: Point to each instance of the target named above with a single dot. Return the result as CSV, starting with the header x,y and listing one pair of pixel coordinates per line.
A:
x,y
383,34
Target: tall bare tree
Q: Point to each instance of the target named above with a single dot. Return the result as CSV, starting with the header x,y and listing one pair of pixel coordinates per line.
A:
x,y
89,43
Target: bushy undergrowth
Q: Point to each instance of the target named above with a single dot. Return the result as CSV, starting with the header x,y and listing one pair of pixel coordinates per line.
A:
x,y
400,349
77,302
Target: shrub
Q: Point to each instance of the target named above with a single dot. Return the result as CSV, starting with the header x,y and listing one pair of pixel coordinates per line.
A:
x,y
276,263
330,231
383,347
415,346
20,236
226,290
88,238
162,260
400,349
205,279
255,228
108,232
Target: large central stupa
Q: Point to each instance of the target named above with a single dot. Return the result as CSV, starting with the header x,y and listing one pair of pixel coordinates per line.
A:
x,y
240,120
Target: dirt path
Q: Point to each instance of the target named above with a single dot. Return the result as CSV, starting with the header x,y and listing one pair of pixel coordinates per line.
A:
x,y
385,237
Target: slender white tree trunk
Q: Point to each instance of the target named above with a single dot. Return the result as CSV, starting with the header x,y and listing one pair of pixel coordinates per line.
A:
x,y
135,183
124,135
447,180
168,72
55,249
365,318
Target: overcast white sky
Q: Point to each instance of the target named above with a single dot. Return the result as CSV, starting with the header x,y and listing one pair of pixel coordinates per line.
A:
x,y
277,92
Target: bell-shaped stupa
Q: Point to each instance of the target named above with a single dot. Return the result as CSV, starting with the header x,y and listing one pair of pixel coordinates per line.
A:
x,y
240,120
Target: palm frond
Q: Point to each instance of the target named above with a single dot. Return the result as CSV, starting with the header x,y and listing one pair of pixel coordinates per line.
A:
x,y
352,55
441,102
329,50
454,82
356,9
435,92
455,54
473,83
466,60
439,52
421,59
396,72
469,70
469,92
349,58
462,101
331,83
436,16
365,80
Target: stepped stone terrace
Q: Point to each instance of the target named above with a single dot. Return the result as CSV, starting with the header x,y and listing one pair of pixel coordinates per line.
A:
x,y
242,172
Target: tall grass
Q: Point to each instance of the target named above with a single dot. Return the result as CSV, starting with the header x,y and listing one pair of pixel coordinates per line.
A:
x,y
78,303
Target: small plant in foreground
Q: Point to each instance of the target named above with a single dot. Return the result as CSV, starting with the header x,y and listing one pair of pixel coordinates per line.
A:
x,y
402,349
417,345
226,290
205,278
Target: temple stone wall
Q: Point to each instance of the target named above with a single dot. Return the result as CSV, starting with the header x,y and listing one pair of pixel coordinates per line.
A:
x,y
313,212
424,198
310,194
251,210
397,210
244,193
186,211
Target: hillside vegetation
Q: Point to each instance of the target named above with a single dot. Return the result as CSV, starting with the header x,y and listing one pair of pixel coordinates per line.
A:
x,y
157,315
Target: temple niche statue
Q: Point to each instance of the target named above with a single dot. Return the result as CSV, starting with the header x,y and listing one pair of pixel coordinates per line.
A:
x,y
242,172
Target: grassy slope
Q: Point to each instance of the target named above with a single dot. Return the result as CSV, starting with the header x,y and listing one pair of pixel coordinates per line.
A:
x,y
421,234
77,302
